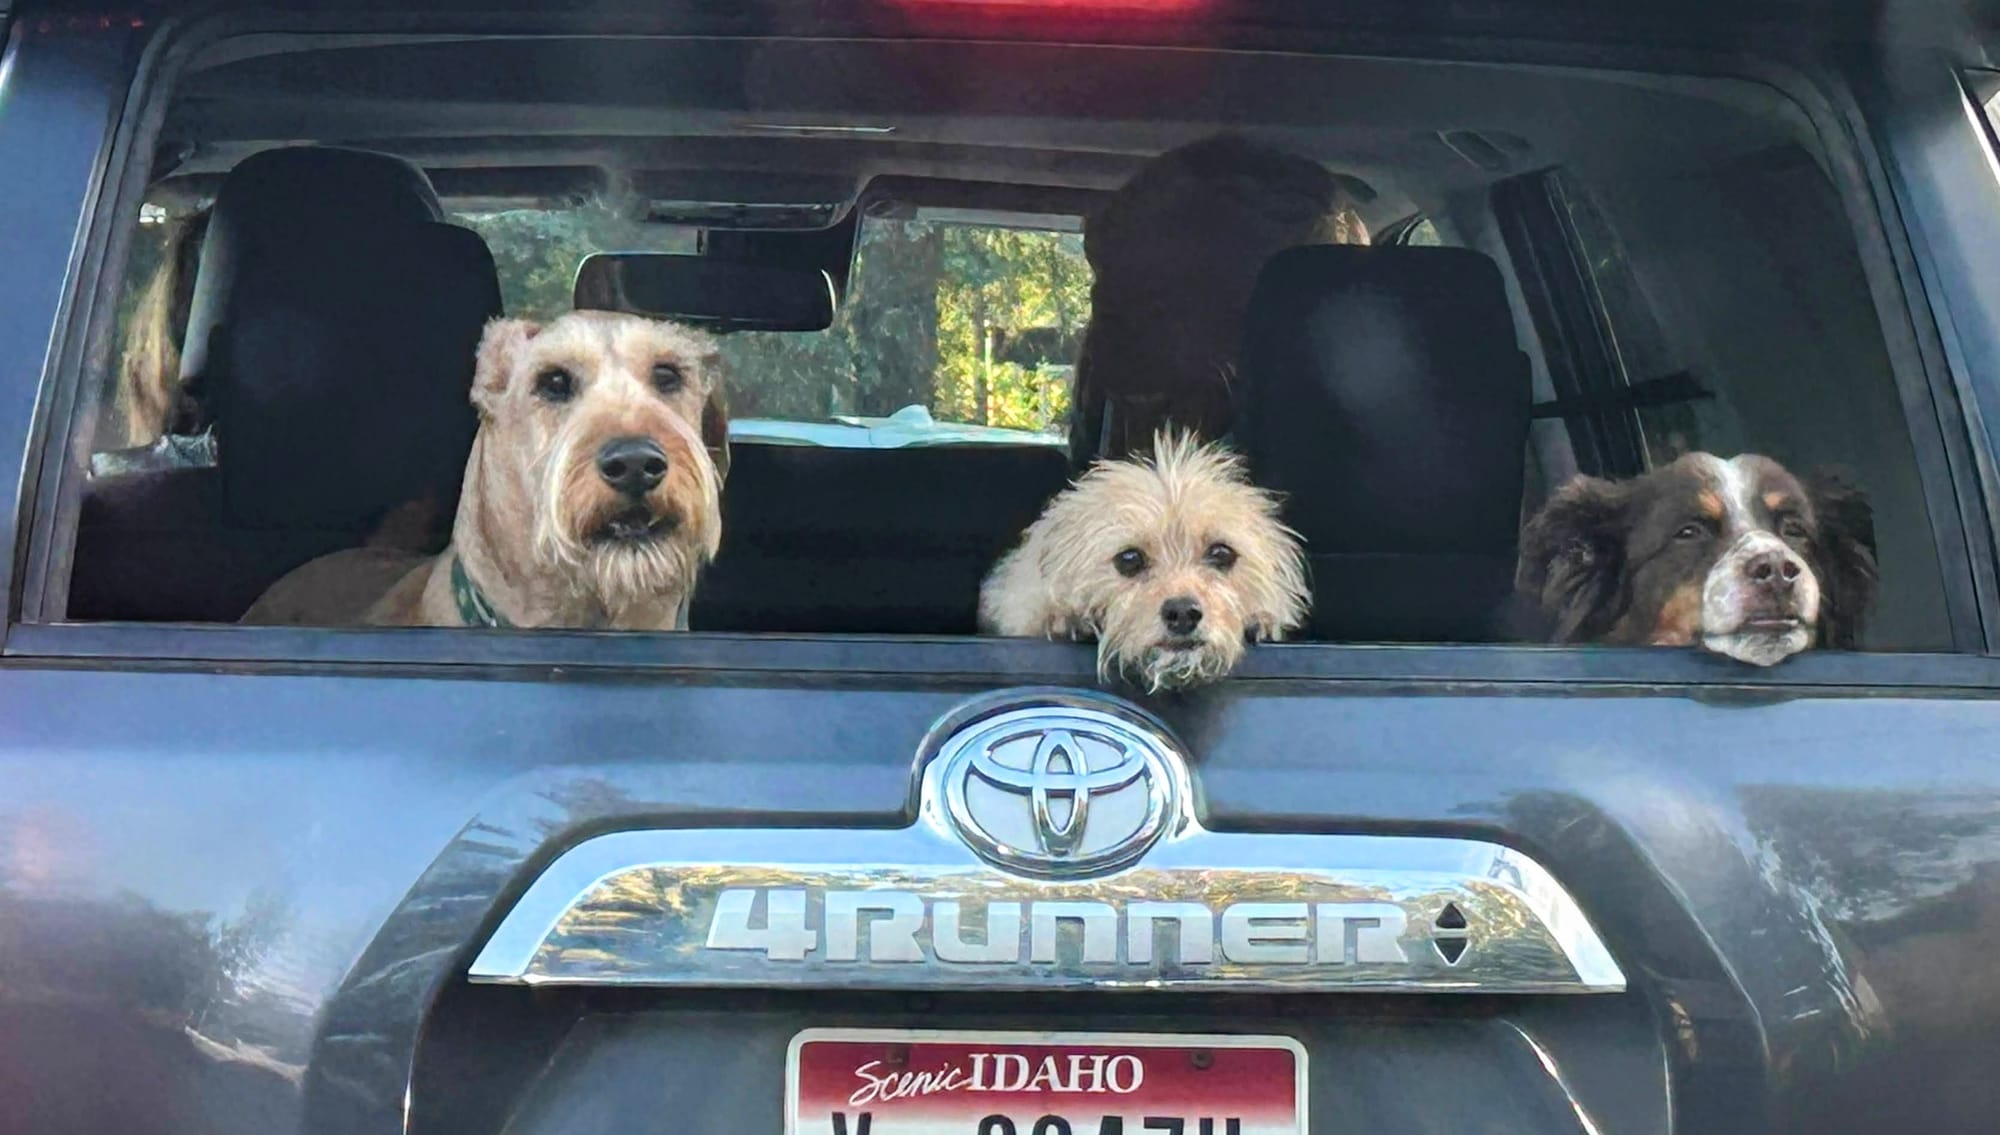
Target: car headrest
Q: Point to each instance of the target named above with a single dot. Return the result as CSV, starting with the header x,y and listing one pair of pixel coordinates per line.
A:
x,y
332,336
1383,391
278,195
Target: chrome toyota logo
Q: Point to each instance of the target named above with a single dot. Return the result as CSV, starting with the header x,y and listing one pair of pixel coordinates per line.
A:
x,y
1059,791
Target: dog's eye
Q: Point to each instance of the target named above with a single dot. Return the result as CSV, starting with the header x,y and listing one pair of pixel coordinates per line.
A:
x,y
1129,562
1792,528
1219,556
1692,531
667,378
555,385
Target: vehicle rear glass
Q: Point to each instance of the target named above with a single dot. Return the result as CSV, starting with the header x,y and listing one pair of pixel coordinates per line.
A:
x,y
1466,414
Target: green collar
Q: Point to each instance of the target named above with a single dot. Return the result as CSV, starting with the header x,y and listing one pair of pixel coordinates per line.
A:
x,y
476,610
473,605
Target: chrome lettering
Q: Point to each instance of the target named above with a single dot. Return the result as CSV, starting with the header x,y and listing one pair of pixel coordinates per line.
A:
x,y
1100,930
1360,933
1003,934
784,936
884,926
1195,922
1263,932
891,939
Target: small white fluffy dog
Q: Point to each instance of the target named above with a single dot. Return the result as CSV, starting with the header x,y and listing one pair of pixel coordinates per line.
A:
x,y
592,497
1173,563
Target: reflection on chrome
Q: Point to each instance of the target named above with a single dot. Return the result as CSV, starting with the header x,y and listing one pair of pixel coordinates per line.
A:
x,y
913,911
1055,847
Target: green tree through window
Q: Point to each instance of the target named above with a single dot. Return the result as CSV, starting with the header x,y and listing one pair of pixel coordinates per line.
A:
x,y
976,324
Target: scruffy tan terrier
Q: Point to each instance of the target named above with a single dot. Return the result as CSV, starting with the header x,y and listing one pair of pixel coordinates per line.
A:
x,y
1173,563
592,497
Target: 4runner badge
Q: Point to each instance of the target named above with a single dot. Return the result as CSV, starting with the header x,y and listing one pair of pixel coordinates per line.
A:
x,y
1054,846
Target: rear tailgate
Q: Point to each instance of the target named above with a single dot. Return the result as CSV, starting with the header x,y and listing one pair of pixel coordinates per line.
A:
x,y
263,915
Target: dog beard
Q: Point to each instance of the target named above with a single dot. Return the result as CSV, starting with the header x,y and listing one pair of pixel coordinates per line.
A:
x,y
1132,643
599,542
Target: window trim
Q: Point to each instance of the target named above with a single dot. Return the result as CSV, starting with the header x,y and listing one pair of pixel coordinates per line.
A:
x,y
82,65
1578,342
1955,452
970,659
38,640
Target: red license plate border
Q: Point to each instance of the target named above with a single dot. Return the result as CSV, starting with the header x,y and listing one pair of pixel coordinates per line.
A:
x,y
1161,1040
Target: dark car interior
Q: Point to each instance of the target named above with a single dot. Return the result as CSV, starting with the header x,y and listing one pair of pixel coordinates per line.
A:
x,y
326,430
1414,402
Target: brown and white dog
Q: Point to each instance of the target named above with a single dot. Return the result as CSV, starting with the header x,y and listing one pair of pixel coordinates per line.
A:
x,y
592,497
1738,556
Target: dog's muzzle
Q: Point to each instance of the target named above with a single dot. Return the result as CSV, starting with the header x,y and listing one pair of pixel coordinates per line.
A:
x,y
632,466
1760,602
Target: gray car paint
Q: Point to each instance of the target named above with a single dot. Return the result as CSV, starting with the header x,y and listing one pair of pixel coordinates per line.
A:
x,y
238,893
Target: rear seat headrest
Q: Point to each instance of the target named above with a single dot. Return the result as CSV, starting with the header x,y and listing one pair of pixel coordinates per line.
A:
x,y
286,194
1383,390
333,334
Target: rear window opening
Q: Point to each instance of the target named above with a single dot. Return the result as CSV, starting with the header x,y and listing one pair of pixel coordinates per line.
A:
x,y
1677,270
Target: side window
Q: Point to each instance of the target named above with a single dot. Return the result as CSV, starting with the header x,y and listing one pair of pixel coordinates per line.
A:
x,y
1725,310
1674,413
1587,381
142,406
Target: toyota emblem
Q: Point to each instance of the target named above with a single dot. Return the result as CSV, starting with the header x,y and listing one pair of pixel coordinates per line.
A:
x,y
1060,791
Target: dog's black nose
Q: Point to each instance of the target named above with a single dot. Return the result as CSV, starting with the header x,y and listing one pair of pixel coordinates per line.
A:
x,y
1774,569
633,465
1181,615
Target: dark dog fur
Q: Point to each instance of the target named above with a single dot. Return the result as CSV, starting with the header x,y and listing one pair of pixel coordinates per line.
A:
x,y
1174,257
1740,557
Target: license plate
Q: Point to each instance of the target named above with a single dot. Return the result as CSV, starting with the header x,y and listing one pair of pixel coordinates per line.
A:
x,y
920,1082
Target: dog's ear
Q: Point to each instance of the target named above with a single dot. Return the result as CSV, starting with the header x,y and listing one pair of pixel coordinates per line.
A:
x,y
1844,551
714,369
715,430
500,347
1572,553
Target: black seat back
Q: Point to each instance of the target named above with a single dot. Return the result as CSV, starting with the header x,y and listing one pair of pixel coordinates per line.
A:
x,y
332,335
1383,391
883,541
